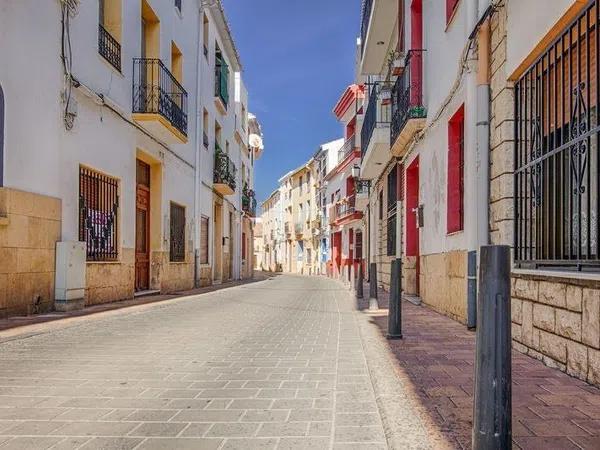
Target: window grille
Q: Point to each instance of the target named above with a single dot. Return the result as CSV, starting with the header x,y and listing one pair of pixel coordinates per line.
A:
x,y
204,240
556,152
177,253
98,215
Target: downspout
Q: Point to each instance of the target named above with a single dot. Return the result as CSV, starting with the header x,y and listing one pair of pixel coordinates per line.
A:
x,y
483,132
196,237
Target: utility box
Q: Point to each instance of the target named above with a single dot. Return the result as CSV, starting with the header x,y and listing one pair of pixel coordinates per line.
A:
x,y
70,276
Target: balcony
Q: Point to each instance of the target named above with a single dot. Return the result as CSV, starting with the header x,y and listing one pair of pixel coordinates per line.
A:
x,y
224,173
299,228
349,148
221,85
408,110
248,201
375,133
376,32
109,48
159,101
363,188
344,212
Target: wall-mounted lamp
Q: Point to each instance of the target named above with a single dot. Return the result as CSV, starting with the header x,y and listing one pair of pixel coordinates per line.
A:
x,y
356,171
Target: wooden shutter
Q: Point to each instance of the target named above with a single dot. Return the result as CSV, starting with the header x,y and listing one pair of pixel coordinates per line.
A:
x,y
450,7
455,213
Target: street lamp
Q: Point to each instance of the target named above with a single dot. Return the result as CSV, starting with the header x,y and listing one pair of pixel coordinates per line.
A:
x,y
356,171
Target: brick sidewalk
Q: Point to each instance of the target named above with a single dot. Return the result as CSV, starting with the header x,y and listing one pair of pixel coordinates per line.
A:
x,y
551,410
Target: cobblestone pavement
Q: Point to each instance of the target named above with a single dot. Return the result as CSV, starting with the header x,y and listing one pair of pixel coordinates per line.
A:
x,y
275,364
551,410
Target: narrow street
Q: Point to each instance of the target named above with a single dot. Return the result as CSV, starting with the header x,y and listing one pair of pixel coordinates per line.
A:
x,y
279,363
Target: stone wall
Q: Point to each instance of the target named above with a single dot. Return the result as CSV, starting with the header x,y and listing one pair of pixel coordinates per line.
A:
x,y
558,322
30,226
110,281
443,283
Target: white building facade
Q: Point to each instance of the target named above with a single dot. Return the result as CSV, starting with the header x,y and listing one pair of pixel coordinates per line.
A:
x,y
115,140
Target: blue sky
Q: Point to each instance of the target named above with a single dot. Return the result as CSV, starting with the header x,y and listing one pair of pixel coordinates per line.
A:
x,y
298,57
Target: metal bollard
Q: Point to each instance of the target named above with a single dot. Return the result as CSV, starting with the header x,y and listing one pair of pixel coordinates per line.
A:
x,y
492,408
472,290
373,304
395,307
360,281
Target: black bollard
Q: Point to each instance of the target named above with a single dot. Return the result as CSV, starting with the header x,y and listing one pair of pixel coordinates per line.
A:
x,y
492,408
395,307
373,304
359,281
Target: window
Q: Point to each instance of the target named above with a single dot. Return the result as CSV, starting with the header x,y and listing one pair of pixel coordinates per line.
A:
x,y
451,6
178,5
381,205
392,185
98,215
176,62
243,246
109,31
205,35
358,245
177,247
455,200
204,240
205,129
556,179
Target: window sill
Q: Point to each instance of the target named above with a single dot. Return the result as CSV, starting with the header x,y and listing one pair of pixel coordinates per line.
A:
x,y
557,274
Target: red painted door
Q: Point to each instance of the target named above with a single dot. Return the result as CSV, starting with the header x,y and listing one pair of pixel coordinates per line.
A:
x,y
337,252
412,205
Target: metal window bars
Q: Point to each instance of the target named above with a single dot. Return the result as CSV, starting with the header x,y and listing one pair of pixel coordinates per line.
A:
x,y
109,48
157,91
177,234
98,215
556,174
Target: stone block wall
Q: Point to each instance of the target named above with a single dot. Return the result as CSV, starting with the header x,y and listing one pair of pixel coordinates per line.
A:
x,y
557,320
443,285
110,281
30,226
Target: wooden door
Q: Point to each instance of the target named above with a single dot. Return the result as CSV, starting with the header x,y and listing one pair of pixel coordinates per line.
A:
x,y
142,227
142,239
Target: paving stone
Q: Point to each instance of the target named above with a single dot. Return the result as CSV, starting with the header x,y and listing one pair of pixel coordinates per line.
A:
x,y
359,434
32,428
30,443
276,429
232,430
303,443
250,444
180,444
162,429
151,415
110,443
263,415
95,429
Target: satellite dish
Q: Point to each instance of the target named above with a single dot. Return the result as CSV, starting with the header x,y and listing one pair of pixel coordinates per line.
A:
x,y
256,141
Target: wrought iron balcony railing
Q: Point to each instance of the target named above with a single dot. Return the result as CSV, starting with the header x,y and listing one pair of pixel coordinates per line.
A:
x,y
348,147
157,91
407,94
367,7
109,48
225,170
248,201
345,207
378,113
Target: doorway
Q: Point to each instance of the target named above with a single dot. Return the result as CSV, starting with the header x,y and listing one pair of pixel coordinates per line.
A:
x,y
412,223
142,227
218,243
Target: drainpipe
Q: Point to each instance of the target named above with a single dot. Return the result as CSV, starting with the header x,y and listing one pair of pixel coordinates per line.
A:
x,y
483,133
197,143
